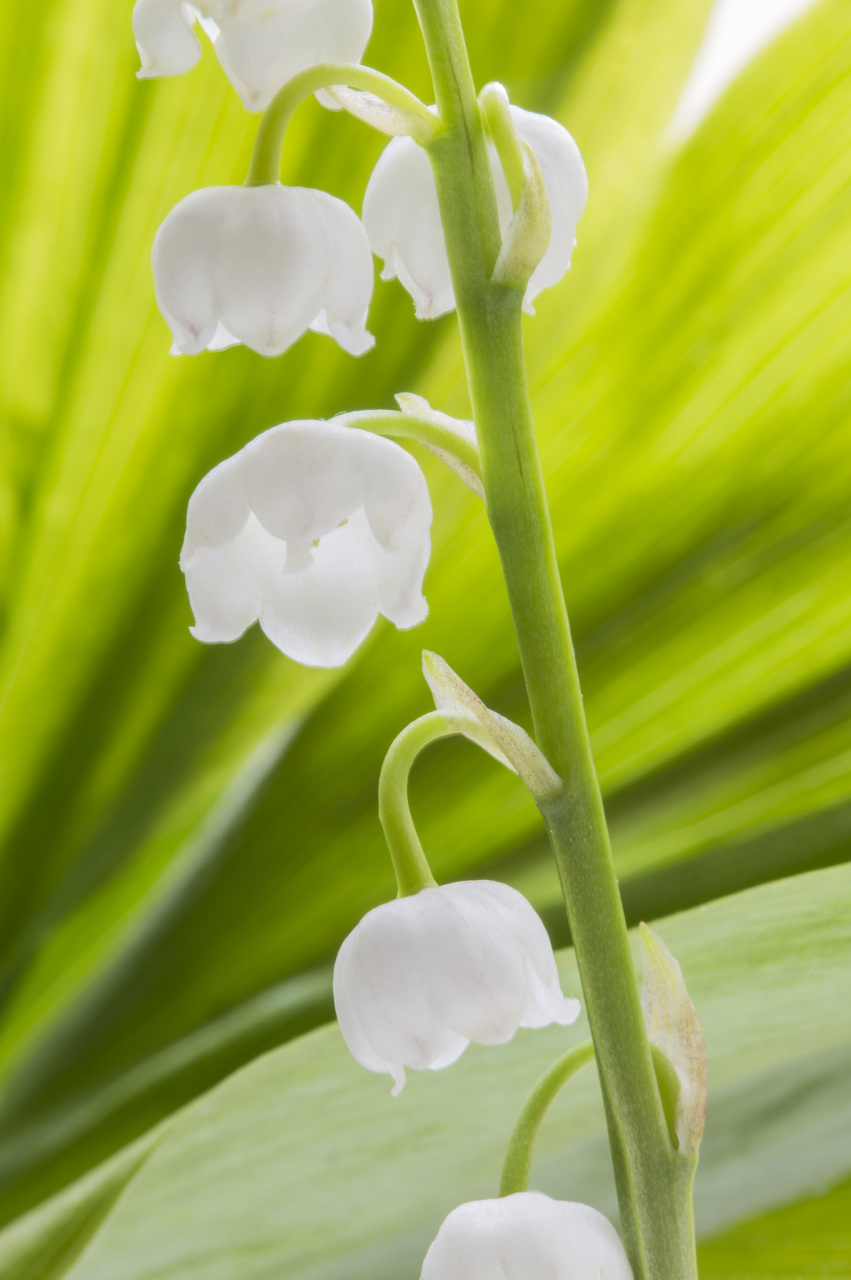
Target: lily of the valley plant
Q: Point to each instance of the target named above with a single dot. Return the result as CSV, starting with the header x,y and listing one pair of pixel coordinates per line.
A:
x,y
315,528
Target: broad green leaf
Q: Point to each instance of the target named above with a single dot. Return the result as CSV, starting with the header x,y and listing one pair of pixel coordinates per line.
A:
x,y
112,436
302,1165
691,390
808,1239
46,1243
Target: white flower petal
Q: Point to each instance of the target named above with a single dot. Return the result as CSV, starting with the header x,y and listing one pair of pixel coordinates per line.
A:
x,y
420,977
468,937
164,37
263,45
217,510
220,340
282,534
268,267
391,493
225,583
545,1002
395,1021
299,480
208,25
400,591
398,509
567,189
357,1039
319,616
259,265
526,1235
348,273
402,219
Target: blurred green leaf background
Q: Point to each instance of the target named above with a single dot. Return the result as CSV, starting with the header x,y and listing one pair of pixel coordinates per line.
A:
x,y
187,833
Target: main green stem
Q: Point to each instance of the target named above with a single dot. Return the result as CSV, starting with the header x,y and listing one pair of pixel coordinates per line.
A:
x,y
654,1186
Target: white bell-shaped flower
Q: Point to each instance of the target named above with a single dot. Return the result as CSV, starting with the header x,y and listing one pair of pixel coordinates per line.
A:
x,y
260,265
261,44
421,977
312,529
402,217
526,1236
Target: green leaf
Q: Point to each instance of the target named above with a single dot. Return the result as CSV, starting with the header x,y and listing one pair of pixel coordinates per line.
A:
x,y
142,730
809,1239
187,832
45,1244
302,1164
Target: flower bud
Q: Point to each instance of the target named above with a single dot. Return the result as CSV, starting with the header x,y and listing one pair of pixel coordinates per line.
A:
x,y
261,44
421,977
312,529
260,265
402,216
674,1030
526,1236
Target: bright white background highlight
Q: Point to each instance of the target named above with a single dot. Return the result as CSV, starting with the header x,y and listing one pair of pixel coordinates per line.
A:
x,y
735,33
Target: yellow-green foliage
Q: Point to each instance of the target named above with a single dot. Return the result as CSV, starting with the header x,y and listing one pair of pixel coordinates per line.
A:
x,y
186,833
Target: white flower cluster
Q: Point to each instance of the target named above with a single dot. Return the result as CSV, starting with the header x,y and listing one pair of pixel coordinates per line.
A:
x,y
315,528
414,983
260,265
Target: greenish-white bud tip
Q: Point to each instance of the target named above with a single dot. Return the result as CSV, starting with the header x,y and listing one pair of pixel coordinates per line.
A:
x,y
502,127
528,236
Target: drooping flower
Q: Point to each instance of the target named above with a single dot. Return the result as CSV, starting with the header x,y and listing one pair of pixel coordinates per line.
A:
x,y
261,44
402,217
526,1236
422,976
260,265
312,529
